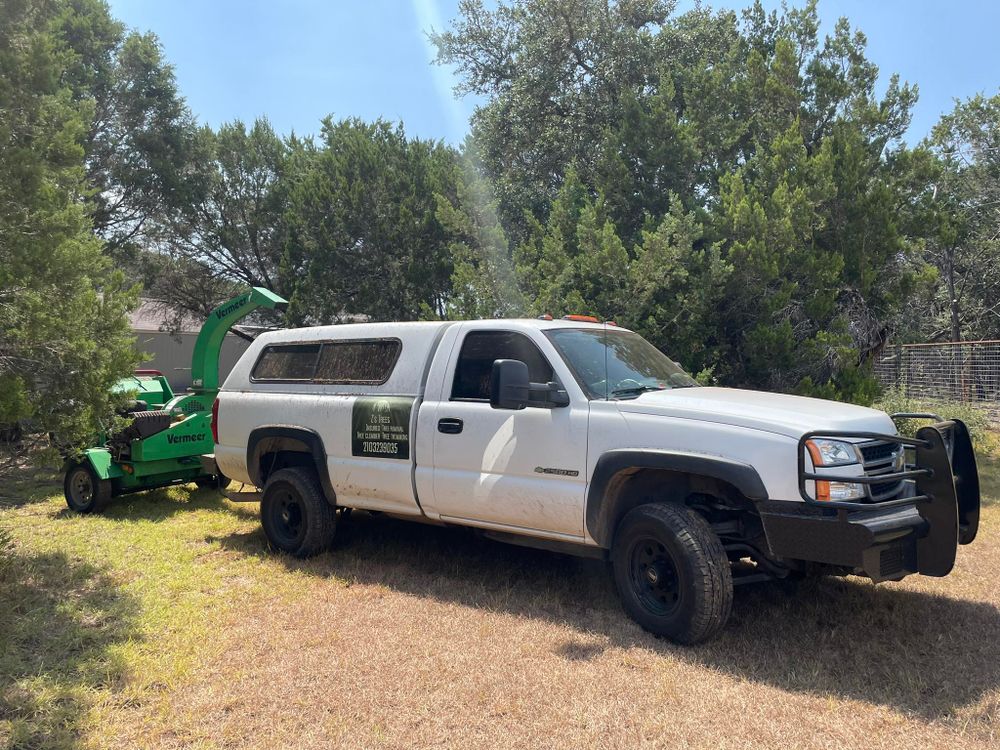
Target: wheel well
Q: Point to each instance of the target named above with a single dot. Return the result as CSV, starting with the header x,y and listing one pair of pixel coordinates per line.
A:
x,y
718,501
283,457
271,449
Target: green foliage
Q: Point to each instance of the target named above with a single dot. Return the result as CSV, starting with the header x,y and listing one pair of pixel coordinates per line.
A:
x,y
732,186
728,187
958,212
230,231
64,333
364,236
668,286
483,283
553,73
976,419
139,145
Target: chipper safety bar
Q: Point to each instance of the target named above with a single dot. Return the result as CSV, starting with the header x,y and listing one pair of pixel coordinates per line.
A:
x,y
919,530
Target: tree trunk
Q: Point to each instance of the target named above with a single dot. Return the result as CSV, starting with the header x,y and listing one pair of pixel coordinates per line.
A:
x,y
956,327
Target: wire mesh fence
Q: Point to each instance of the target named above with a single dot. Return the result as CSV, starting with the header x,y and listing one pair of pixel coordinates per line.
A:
x,y
964,371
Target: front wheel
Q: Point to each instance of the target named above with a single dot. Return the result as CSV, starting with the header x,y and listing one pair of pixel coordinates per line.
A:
x,y
295,514
672,573
85,492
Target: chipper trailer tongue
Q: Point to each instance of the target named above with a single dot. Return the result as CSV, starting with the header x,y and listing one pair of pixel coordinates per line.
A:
x,y
164,445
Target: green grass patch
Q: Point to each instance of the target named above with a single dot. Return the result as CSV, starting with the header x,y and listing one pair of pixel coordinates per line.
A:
x,y
989,478
103,612
104,618
976,418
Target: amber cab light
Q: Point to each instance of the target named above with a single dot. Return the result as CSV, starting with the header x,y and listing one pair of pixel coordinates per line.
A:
x,y
581,318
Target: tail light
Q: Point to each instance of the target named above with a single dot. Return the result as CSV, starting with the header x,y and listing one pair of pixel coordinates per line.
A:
x,y
215,421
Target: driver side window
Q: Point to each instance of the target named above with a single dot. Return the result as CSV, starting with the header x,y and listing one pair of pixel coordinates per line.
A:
x,y
475,362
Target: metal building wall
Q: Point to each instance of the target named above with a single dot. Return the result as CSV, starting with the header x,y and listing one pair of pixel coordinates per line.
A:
x,y
171,355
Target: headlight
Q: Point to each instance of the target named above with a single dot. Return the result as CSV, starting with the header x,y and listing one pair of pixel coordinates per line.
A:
x,y
825,452
840,491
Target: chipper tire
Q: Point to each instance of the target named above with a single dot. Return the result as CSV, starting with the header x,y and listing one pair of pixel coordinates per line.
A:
x,y
295,514
672,573
85,492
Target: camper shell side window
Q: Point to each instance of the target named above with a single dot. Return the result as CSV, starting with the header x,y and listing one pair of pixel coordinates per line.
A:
x,y
343,362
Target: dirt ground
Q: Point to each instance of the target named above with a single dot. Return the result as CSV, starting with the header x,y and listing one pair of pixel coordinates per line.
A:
x,y
166,623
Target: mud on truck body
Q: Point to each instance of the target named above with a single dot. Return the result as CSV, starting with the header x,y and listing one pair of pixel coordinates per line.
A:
x,y
584,438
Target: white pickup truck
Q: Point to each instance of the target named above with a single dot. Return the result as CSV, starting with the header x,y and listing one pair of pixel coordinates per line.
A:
x,y
583,437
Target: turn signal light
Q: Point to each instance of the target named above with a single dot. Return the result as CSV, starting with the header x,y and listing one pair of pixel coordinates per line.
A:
x,y
822,488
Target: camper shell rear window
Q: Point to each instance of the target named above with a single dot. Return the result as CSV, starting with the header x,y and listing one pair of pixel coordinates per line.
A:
x,y
343,362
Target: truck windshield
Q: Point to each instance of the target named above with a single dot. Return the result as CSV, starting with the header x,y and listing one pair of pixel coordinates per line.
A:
x,y
616,364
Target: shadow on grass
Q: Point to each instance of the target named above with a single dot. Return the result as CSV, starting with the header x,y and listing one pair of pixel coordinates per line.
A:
x,y
39,485
59,622
30,485
886,645
164,503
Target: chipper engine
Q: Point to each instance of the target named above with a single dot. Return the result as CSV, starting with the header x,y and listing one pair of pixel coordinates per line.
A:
x,y
168,439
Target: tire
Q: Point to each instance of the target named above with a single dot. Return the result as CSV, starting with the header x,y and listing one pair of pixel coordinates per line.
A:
x,y
85,492
295,514
672,573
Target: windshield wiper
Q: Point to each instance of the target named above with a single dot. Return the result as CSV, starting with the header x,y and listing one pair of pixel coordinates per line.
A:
x,y
635,390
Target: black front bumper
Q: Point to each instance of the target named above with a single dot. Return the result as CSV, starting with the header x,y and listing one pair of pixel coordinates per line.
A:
x,y
918,533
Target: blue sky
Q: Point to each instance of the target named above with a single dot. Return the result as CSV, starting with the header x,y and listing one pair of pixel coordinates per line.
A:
x,y
296,61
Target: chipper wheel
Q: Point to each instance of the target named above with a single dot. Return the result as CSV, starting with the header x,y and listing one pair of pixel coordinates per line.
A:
x,y
85,491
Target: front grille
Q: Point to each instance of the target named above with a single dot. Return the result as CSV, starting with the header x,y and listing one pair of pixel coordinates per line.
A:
x,y
880,457
876,452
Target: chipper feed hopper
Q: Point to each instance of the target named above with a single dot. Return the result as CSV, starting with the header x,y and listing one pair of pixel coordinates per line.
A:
x,y
165,444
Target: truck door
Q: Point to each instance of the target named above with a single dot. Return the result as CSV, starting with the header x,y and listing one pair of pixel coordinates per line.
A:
x,y
524,469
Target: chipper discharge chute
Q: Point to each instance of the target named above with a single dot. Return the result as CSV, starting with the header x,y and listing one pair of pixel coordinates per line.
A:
x,y
165,441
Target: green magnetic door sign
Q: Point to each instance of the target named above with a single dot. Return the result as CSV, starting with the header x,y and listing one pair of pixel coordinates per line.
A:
x,y
380,426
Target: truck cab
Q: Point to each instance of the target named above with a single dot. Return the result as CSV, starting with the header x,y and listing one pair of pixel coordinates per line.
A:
x,y
582,437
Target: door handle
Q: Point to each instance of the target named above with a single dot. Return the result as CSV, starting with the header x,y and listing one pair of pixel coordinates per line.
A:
x,y
450,425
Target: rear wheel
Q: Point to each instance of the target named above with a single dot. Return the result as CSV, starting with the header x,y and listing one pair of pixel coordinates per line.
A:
x,y
85,492
295,514
672,573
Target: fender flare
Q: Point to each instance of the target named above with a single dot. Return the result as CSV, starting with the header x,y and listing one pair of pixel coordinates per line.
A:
x,y
604,508
100,461
266,439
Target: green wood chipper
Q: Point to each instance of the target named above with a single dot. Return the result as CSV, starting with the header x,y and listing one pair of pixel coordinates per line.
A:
x,y
168,439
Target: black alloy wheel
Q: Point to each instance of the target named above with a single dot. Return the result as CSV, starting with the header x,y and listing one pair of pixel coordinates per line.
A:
x,y
654,576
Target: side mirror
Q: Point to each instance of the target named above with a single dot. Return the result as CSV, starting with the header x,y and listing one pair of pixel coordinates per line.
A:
x,y
509,384
510,388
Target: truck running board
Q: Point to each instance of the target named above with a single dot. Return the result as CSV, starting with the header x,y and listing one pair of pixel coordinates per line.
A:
x,y
235,496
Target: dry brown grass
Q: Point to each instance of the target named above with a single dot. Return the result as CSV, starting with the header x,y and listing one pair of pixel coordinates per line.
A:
x,y
412,636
